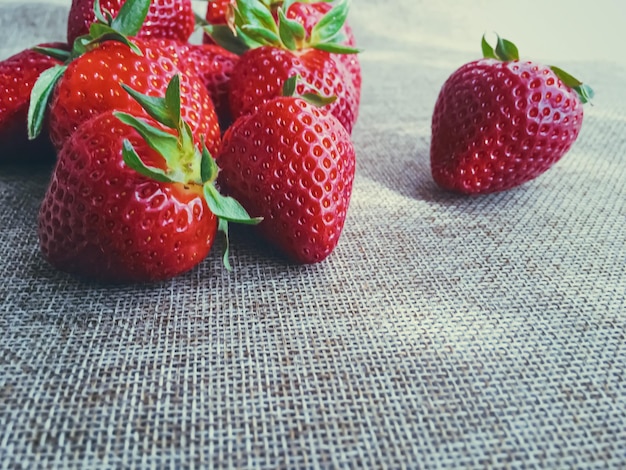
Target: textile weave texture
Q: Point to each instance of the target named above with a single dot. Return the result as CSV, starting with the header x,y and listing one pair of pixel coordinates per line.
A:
x,y
443,332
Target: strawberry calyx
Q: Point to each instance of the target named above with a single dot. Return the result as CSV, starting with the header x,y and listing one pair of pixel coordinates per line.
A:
x,y
505,51
121,28
185,163
253,25
584,91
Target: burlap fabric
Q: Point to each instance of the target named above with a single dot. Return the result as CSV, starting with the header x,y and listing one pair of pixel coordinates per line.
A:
x,y
444,331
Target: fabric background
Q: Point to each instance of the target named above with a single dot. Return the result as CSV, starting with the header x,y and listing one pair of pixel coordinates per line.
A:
x,y
443,332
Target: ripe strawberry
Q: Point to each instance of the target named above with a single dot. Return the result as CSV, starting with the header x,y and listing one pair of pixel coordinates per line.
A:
x,y
173,19
499,122
281,50
18,75
91,85
293,164
133,199
214,65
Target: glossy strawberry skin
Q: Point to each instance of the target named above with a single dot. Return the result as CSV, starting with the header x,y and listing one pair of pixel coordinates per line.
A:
x,y
497,125
292,164
102,220
171,19
217,11
91,85
214,65
260,74
18,75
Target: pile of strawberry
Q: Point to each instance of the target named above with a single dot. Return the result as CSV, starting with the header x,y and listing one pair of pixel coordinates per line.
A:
x,y
159,143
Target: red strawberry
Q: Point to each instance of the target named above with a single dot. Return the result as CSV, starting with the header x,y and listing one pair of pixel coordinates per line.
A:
x,y
279,51
219,11
214,65
293,164
499,122
173,19
18,75
91,85
102,219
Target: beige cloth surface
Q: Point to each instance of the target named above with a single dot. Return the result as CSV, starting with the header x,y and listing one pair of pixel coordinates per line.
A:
x,y
444,331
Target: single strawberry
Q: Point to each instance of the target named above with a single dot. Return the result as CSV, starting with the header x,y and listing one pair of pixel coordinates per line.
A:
x,y
293,164
90,81
92,84
499,122
18,75
276,50
133,199
172,19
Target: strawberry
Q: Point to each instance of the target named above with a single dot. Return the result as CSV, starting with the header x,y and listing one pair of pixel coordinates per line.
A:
x,y
133,199
173,19
18,75
499,122
91,84
279,50
214,65
293,164
219,11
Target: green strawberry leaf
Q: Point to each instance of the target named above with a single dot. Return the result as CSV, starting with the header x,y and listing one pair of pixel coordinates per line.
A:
x,y
222,226
105,17
101,32
58,54
156,107
504,51
226,207
289,85
315,97
585,92
318,100
39,98
253,13
133,161
336,48
225,37
292,33
131,16
261,35
488,51
331,23
208,166
167,145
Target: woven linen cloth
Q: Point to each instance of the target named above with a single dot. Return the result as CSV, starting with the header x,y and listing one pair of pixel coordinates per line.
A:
x,y
444,331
